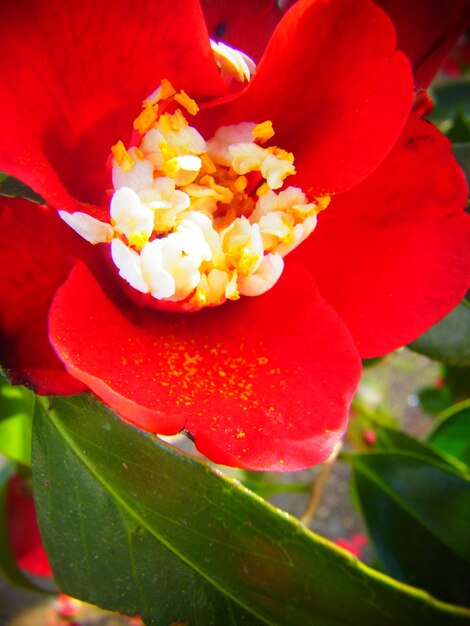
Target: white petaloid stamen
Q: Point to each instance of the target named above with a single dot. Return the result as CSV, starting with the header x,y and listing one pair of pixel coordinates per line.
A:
x,y
88,227
225,137
243,246
131,217
264,278
138,178
200,222
129,265
183,169
232,62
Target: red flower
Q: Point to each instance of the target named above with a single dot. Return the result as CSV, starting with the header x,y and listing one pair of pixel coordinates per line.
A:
x,y
355,544
264,382
23,530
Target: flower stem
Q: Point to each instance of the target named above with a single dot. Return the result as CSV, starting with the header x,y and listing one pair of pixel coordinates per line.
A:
x,y
318,486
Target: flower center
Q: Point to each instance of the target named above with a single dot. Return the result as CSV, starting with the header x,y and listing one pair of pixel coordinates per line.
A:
x,y
194,223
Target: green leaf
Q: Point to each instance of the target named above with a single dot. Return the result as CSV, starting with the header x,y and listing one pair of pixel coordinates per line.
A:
x,y
449,340
417,511
14,188
434,400
462,154
452,432
449,98
16,407
459,132
392,440
136,526
8,565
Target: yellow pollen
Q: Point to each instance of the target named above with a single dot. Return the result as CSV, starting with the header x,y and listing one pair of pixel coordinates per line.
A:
x,y
188,103
263,132
145,120
241,183
123,158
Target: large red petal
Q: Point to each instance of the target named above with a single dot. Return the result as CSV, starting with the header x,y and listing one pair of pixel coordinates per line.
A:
x,y
74,79
334,87
23,530
427,30
243,24
36,253
263,384
392,256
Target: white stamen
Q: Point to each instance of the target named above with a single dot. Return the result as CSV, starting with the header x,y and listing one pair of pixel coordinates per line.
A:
x,y
140,176
130,216
264,278
232,62
129,265
88,227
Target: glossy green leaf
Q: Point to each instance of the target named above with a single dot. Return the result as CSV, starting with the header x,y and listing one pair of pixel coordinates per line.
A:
x,y
417,511
121,512
14,188
16,406
394,440
452,432
8,566
449,340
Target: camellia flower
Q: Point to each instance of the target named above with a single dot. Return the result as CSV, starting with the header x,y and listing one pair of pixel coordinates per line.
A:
x,y
220,258
23,531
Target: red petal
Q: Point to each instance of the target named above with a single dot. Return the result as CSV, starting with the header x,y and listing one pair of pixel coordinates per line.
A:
x,y
35,252
264,383
392,256
26,542
427,31
243,24
335,89
74,79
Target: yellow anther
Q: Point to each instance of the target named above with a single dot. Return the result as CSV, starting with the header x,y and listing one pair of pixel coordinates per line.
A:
x,y
208,164
174,122
164,90
281,154
144,121
123,158
224,195
167,89
262,189
188,103
248,261
138,240
322,203
240,184
263,132
199,298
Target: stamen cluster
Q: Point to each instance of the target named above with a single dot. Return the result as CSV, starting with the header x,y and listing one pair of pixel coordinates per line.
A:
x,y
196,222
